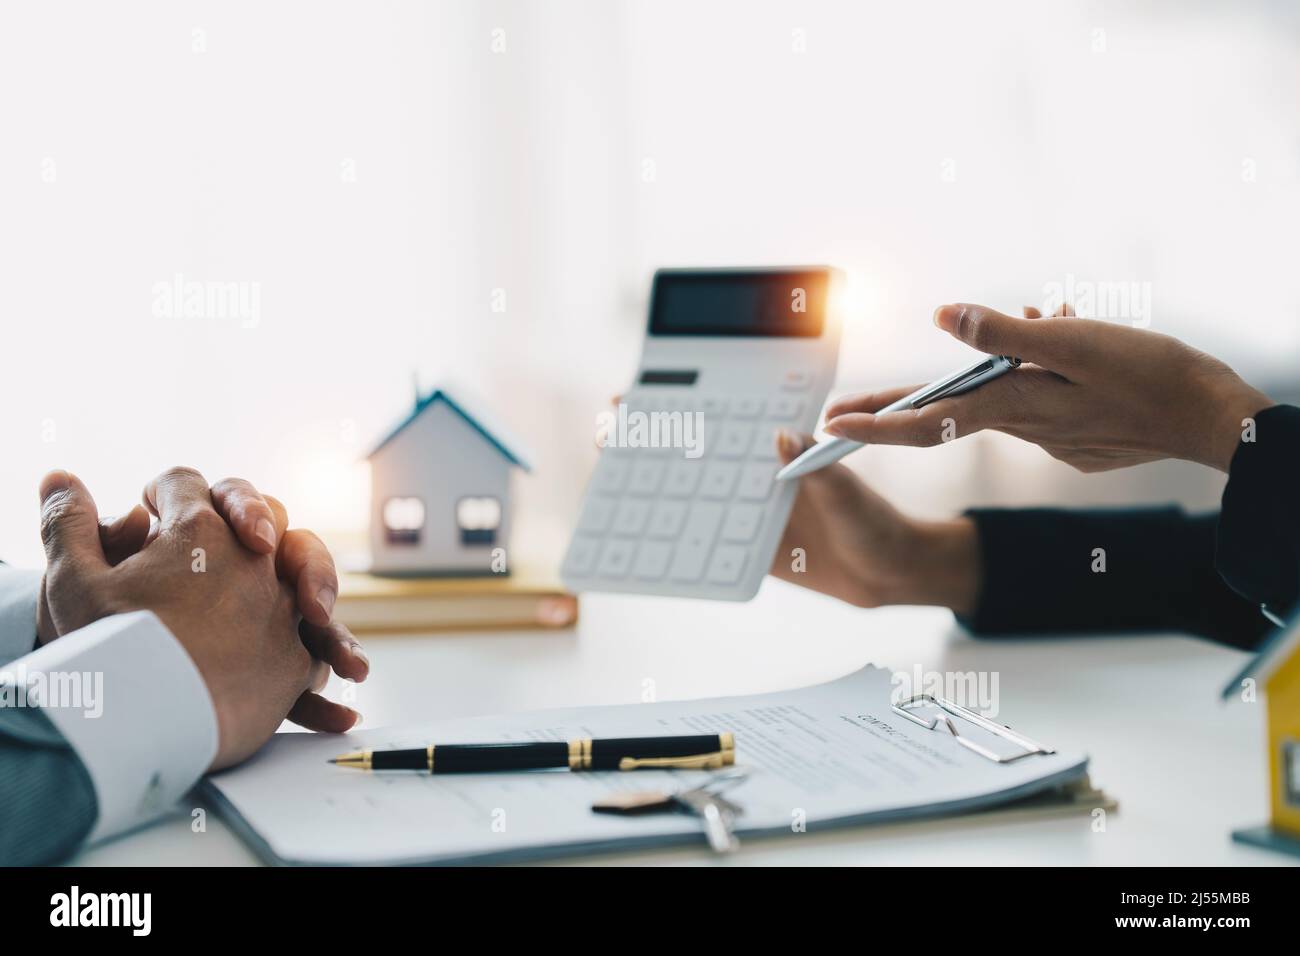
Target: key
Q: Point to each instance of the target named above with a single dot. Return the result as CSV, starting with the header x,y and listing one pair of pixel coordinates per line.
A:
x,y
764,447
719,480
742,523
784,409
755,483
718,813
646,477
718,820
596,516
697,541
796,380
611,475
735,440
666,522
728,562
582,556
683,477
705,801
713,406
615,559
631,518
652,560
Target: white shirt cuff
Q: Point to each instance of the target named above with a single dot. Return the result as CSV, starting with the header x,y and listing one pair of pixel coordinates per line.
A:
x,y
127,697
19,591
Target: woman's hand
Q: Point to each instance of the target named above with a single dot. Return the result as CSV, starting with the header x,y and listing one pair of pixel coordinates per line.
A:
x,y
845,540
1093,394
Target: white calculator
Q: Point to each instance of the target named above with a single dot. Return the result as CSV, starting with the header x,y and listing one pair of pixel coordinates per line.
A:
x,y
682,501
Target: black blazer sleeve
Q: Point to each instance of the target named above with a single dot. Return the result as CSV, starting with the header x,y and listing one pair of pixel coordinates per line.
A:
x,y
1163,569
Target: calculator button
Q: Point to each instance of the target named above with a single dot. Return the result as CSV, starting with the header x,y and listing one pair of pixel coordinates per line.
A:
x,y
646,477
696,432
635,402
683,478
764,447
796,380
742,523
727,564
755,482
652,560
784,408
713,406
693,550
611,474
719,480
631,518
597,514
748,407
582,556
616,559
667,519
734,440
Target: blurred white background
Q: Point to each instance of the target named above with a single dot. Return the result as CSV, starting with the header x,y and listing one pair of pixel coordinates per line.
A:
x,y
376,170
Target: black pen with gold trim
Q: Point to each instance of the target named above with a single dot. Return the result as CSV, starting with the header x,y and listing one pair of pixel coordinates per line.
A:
x,y
688,752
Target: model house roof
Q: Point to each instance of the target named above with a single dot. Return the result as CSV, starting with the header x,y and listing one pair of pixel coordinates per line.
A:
x,y
1279,647
475,419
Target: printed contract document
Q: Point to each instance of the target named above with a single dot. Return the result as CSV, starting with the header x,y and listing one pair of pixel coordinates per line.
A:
x,y
833,754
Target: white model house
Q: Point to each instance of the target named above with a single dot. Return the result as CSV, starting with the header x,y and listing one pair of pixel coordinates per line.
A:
x,y
440,493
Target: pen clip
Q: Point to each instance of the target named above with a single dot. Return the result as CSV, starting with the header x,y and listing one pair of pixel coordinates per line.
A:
x,y
713,761
953,383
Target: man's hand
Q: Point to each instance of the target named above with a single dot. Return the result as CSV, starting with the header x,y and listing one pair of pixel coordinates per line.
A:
x,y
858,547
302,560
94,571
1093,394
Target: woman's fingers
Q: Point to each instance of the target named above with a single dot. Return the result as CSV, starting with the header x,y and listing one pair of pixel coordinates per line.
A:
x,y
920,427
989,406
1054,344
1062,311
790,446
868,401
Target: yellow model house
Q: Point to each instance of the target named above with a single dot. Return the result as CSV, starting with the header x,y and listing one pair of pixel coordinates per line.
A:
x,y
1276,669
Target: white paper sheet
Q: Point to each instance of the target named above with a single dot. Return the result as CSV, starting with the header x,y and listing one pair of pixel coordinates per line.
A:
x,y
833,753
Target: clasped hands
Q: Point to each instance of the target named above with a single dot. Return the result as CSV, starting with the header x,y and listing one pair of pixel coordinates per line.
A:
x,y
250,600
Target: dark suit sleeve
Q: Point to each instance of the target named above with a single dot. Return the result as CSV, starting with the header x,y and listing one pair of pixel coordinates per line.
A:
x,y
47,800
1164,570
1258,547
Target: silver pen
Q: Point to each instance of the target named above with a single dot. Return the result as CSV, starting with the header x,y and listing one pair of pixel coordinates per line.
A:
x,y
832,450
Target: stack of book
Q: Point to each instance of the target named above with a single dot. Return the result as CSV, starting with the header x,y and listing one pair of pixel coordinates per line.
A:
x,y
525,598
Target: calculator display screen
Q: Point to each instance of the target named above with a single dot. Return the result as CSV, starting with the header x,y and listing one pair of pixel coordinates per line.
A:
x,y
739,302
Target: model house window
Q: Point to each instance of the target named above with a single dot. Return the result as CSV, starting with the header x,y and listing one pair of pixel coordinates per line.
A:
x,y
478,520
403,520
1291,771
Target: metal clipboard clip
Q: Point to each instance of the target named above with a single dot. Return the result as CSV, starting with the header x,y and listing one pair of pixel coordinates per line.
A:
x,y
948,710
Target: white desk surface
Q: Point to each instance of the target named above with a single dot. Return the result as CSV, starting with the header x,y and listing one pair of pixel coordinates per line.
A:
x,y
1185,768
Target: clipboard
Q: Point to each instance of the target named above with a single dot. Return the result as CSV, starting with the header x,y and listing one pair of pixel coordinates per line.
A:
x,y
943,711
835,753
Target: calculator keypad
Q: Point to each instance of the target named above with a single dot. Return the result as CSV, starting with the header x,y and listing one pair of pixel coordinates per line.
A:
x,y
658,520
